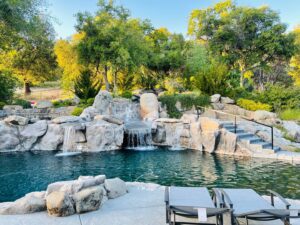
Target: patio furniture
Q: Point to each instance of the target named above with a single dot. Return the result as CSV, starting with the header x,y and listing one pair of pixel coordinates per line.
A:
x,y
249,205
185,202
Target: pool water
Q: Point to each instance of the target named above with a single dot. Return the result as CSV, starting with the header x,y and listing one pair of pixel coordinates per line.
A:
x,y
24,172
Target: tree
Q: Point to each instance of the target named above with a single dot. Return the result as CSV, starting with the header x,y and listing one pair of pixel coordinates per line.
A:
x,y
295,61
35,59
7,86
248,38
112,41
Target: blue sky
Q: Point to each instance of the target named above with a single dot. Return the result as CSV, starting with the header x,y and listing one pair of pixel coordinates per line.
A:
x,y
172,14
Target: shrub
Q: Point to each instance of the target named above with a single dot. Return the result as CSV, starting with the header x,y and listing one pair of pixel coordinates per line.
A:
x,y
62,103
7,86
2,104
126,94
187,101
77,111
22,102
252,105
290,114
90,101
280,97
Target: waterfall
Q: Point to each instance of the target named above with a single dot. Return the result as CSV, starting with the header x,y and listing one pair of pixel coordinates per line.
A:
x,y
69,139
139,136
174,132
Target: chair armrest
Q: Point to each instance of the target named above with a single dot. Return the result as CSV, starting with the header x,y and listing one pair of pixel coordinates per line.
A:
x,y
167,195
285,202
226,199
218,198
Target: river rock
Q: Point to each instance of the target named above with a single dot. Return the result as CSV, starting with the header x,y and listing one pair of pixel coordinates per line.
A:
x,y
215,98
9,138
261,115
17,120
109,119
103,102
88,199
43,104
60,204
102,136
149,106
226,100
31,203
67,119
115,187
52,139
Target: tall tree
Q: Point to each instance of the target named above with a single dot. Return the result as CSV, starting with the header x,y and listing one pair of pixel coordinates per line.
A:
x,y
295,61
249,38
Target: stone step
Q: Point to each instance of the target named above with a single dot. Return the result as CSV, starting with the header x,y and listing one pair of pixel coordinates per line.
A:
x,y
238,130
245,135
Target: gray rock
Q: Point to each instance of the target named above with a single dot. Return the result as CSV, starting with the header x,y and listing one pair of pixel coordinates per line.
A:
x,y
52,139
227,142
88,199
89,113
9,137
215,98
109,119
12,107
43,104
189,118
67,119
293,129
37,129
115,187
260,115
226,100
17,120
160,134
31,203
103,102
218,106
60,204
149,106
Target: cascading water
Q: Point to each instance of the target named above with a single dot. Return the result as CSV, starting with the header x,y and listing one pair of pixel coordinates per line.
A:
x,y
69,146
139,136
173,138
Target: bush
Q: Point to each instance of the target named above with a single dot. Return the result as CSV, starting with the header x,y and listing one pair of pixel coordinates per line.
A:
x,y
126,94
7,86
252,105
2,104
62,103
22,102
90,101
290,114
187,101
77,111
280,97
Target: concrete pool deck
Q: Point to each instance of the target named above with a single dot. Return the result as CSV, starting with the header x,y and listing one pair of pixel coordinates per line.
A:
x,y
143,205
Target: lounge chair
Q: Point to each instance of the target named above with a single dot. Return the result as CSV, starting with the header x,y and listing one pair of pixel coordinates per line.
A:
x,y
249,205
184,202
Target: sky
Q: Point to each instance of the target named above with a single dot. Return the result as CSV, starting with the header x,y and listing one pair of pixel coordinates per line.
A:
x,y
172,14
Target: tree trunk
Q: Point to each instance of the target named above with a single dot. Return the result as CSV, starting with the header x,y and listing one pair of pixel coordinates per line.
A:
x,y
27,89
107,86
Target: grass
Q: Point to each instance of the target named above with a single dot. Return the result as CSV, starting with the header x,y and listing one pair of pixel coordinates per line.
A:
x,y
290,114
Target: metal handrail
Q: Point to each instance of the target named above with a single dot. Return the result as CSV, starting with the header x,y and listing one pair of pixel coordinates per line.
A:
x,y
245,118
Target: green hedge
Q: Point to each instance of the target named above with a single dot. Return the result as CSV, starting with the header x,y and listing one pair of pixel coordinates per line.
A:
x,y
187,101
252,105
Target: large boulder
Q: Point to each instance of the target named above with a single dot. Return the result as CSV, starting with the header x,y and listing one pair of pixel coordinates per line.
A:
x,y
67,119
12,107
32,132
226,100
9,137
215,98
60,204
43,104
89,113
17,120
102,136
52,139
103,102
209,140
160,134
109,119
209,124
149,106
196,138
261,115
88,199
293,130
189,118
227,142
115,187
31,203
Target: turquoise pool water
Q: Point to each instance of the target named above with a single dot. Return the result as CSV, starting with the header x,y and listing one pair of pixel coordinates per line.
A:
x,y
25,172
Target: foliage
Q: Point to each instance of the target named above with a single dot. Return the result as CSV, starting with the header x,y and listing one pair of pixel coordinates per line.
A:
x,y
247,37
2,104
295,61
7,86
85,86
77,111
280,97
90,101
126,94
252,105
187,101
62,103
26,104
290,114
